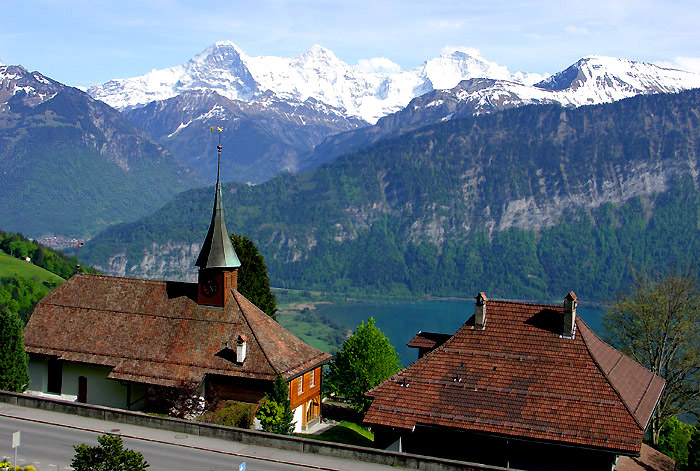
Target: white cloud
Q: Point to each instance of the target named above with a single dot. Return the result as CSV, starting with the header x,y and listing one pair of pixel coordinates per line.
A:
x,y
378,64
690,64
577,30
445,24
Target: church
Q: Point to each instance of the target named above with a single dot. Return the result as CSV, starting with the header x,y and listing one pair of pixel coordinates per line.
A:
x,y
110,340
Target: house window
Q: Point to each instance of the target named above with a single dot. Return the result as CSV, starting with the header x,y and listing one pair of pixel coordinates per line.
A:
x,y
313,378
300,388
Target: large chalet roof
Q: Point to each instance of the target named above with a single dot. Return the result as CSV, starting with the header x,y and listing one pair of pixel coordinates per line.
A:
x,y
154,332
520,377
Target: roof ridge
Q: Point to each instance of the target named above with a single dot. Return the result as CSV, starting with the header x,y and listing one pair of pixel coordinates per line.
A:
x,y
600,368
129,279
523,303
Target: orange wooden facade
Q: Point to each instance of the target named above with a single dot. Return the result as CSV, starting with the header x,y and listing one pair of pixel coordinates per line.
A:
x,y
308,396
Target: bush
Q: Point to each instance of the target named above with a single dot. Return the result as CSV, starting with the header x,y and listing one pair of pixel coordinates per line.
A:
x,y
270,415
231,414
5,466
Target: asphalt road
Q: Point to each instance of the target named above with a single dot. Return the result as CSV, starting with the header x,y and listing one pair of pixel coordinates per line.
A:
x,y
47,440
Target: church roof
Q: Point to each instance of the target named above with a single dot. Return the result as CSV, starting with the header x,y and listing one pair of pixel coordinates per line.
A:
x,y
518,376
154,332
217,250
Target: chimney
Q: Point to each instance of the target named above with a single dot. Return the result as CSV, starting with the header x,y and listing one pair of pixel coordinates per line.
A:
x,y
570,303
241,343
480,312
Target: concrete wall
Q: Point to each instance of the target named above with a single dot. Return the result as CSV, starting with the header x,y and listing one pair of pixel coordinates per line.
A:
x,y
298,418
100,390
251,437
38,373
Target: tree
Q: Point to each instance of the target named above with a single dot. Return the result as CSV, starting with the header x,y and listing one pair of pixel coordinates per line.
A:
x,y
13,359
674,440
275,413
658,324
694,449
110,455
365,360
253,282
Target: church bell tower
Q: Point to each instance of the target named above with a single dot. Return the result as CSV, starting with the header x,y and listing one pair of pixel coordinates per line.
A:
x,y
218,263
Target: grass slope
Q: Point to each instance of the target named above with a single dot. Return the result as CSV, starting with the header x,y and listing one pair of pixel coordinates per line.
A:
x,y
14,267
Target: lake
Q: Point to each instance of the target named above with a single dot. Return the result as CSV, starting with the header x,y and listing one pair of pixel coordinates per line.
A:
x,y
402,320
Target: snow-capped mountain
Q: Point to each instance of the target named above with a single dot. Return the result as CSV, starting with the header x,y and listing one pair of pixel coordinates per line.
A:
x,y
285,90
599,79
317,74
264,136
31,88
592,80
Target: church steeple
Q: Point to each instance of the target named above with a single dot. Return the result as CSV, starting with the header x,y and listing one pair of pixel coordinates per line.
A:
x,y
218,263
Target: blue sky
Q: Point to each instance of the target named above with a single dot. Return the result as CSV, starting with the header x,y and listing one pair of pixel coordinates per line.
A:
x,y
85,42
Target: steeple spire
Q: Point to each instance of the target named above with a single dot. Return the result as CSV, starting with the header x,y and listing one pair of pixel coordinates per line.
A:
x,y
217,250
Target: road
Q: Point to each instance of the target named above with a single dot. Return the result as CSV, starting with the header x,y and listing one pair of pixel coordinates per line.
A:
x,y
47,440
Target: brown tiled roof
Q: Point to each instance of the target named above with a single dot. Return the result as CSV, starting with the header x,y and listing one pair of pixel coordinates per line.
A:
x,y
649,460
154,332
428,340
519,377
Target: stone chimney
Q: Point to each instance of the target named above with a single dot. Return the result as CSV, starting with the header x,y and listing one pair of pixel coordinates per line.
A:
x,y
241,344
570,303
480,312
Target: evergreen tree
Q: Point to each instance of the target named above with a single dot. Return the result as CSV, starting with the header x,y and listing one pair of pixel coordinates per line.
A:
x,y
253,282
366,359
13,359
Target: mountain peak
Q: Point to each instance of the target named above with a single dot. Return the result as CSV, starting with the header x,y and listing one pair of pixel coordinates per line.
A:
x,y
318,53
220,51
600,79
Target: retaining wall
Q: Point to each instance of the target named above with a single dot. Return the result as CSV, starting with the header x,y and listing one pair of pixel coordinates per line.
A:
x,y
251,437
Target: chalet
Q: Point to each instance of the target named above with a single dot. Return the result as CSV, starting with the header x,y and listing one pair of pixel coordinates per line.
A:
x,y
519,385
109,340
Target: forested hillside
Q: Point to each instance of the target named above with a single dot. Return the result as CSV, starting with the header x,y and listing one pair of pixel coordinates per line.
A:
x,y
71,165
528,203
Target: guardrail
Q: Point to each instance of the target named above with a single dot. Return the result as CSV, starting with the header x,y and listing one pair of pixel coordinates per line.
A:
x,y
251,437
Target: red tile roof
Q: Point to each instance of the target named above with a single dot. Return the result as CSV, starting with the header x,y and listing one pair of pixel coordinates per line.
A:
x,y
154,332
519,377
429,340
649,460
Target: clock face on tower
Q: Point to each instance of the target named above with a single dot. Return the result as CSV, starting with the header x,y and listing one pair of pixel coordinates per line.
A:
x,y
210,287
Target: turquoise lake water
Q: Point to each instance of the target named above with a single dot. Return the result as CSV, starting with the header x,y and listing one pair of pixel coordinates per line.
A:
x,y
402,320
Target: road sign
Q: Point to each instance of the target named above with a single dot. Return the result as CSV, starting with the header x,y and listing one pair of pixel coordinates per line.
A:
x,y
241,467
15,440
